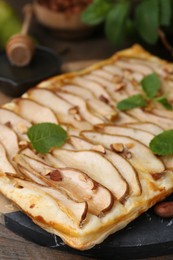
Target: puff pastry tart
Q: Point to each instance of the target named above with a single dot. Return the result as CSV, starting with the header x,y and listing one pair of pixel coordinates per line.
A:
x,y
105,175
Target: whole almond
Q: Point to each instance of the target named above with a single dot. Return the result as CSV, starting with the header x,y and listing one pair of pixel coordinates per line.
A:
x,y
164,209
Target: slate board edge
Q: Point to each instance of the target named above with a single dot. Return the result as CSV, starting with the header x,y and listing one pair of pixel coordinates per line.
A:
x,y
23,226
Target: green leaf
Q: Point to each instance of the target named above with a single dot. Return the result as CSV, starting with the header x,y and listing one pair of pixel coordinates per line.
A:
x,y
151,85
162,144
147,20
43,136
165,12
96,12
164,102
116,20
132,102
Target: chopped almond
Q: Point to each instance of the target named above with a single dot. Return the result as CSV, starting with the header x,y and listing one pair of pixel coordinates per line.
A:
x,y
168,69
23,144
8,124
156,176
127,154
104,99
99,148
78,117
55,175
117,79
135,83
117,147
74,110
119,86
22,127
129,145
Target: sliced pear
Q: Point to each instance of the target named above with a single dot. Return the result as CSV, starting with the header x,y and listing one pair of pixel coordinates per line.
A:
x,y
155,66
45,158
5,165
76,184
77,211
123,166
141,68
80,188
131,89
27,194
133,75
77,122
139,155
110,87
98,107
49,99
102,81
94,87
79,91
58,105
113,69
97,167
29,176
9,140
72,130
104,74
167,87
123,118
162,112
148,127
16,122
34,112
168,161
81,104
142,116
120,95
140,135
127,171
102,110
51,160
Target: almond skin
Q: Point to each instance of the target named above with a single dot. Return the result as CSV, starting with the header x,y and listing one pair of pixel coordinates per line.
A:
x,y
55,175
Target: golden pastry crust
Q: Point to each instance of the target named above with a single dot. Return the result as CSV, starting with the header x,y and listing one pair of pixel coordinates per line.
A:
x,y
93,148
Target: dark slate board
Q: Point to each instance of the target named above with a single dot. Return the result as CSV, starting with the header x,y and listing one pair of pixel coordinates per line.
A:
x,y
14,81
147,236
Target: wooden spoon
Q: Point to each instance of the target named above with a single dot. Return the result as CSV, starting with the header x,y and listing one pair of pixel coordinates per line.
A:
x,y
20,47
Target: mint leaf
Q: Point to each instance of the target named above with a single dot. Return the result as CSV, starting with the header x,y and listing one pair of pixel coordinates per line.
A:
x,y
162,144
96,12
164,102
151,85
132,102
43,136
147,20
116,21
165,12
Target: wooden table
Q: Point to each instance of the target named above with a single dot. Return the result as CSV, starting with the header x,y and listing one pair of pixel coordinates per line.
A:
x,y
12,246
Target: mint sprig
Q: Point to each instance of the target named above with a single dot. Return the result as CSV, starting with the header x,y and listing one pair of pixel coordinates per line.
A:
x,y
162,100
132,102
151,85
162,144
147,20
44,136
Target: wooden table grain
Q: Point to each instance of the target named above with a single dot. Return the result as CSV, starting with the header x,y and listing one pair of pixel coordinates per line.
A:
x,y
12,246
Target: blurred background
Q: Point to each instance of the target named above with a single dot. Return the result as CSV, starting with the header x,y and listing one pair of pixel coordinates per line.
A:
x,y
108,27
